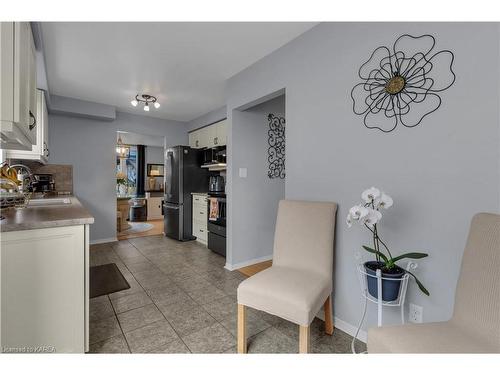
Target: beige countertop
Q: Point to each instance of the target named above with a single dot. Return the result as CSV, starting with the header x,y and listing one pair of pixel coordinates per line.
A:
x,y
205,194
36,217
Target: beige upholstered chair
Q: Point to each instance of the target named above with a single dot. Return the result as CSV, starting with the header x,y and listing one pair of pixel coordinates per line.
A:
x,y
300,279
475,324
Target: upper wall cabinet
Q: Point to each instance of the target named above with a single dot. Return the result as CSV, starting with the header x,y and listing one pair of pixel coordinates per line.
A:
x,y
198,138
210,136
40,150
18,104
221,133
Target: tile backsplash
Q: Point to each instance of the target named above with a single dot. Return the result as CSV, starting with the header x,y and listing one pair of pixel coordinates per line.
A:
x,y
62,173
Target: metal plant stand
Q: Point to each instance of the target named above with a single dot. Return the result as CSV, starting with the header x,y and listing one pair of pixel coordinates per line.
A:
x,y
398,302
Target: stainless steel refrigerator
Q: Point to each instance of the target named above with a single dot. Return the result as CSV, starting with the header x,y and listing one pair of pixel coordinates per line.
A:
x,y
183,176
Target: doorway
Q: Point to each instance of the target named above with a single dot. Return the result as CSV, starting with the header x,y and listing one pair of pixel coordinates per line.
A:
x,y
139,185
258,180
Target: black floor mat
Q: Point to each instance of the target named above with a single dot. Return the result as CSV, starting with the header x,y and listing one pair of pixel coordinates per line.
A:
x,y
106,279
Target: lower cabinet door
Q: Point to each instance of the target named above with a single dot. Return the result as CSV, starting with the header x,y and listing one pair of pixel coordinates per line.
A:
x,y
200,212
154,208
200,231
43,290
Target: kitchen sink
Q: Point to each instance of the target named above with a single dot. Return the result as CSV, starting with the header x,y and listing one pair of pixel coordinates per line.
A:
x,y
49,202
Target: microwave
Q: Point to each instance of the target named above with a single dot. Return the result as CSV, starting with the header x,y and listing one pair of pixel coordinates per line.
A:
x,y
215,155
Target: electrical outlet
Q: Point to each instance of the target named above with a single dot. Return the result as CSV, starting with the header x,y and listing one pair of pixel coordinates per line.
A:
x,y
416,313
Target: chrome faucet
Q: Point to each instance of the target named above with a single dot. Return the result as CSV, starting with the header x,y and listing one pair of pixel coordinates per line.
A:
x,y
27,178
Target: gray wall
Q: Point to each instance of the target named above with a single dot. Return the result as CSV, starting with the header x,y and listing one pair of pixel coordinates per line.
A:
x,y
439,173
64,106
207,119
89,145
259,194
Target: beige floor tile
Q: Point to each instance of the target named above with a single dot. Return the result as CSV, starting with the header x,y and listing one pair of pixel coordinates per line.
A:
x,y
212,339
150,337
130,302
140,317
103,329
190,321
115,344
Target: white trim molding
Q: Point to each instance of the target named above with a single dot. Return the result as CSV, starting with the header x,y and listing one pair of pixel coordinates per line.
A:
x,y
103,240
349,329
344,326
233,267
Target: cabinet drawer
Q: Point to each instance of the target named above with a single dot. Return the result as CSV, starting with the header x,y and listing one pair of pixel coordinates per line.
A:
x,y
200,223
200,218
200,199
201,210
199,231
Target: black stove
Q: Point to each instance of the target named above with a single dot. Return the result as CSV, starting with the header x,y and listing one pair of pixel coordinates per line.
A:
x,y
217,223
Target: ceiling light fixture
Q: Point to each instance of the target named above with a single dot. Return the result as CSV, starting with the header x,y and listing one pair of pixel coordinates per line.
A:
x,y
121,150
146,100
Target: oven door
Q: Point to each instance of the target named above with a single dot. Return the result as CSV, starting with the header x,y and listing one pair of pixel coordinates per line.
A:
x,y
221,211
217,244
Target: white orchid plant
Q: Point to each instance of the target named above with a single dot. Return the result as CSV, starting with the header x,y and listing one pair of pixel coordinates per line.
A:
x,y
369,214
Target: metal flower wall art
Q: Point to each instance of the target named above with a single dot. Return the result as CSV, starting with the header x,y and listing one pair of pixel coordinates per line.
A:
x,y
402,86
276,150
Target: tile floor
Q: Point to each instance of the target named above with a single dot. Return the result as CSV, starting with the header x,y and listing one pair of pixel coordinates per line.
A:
x,y
157,229
182,300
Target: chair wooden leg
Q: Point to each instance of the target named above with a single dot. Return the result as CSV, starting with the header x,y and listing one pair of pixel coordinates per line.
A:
x,y
327,307
304,339
242,330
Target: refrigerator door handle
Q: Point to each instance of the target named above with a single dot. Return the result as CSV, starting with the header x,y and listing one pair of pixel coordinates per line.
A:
x,y
172,207
170,161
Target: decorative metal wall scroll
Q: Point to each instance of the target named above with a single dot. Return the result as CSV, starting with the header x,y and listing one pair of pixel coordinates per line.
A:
x,y
276,150
401,86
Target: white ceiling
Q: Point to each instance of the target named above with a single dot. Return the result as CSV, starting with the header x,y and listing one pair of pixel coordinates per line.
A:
x,y
184,64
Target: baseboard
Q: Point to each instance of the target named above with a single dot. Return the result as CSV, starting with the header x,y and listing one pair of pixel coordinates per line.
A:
x,y
344,326
350,329
103,240
233,267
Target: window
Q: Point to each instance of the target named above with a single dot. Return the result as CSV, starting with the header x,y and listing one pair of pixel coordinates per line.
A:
x,y
126,169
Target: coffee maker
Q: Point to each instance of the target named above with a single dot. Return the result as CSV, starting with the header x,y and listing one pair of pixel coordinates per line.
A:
x,y
43,183
216,184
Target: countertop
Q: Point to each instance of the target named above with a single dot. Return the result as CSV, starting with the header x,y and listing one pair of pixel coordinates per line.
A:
x,y
205,194
37,217
122,198
129,197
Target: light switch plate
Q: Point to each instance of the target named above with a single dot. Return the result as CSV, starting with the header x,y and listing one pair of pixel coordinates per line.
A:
x,y
243,172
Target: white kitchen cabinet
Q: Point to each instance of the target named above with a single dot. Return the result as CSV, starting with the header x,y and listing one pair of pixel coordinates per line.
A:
x,y
17,86
44,289
204,137
221,133
40,150
198,138
211,132
154,208
192,139
210,136
200,218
